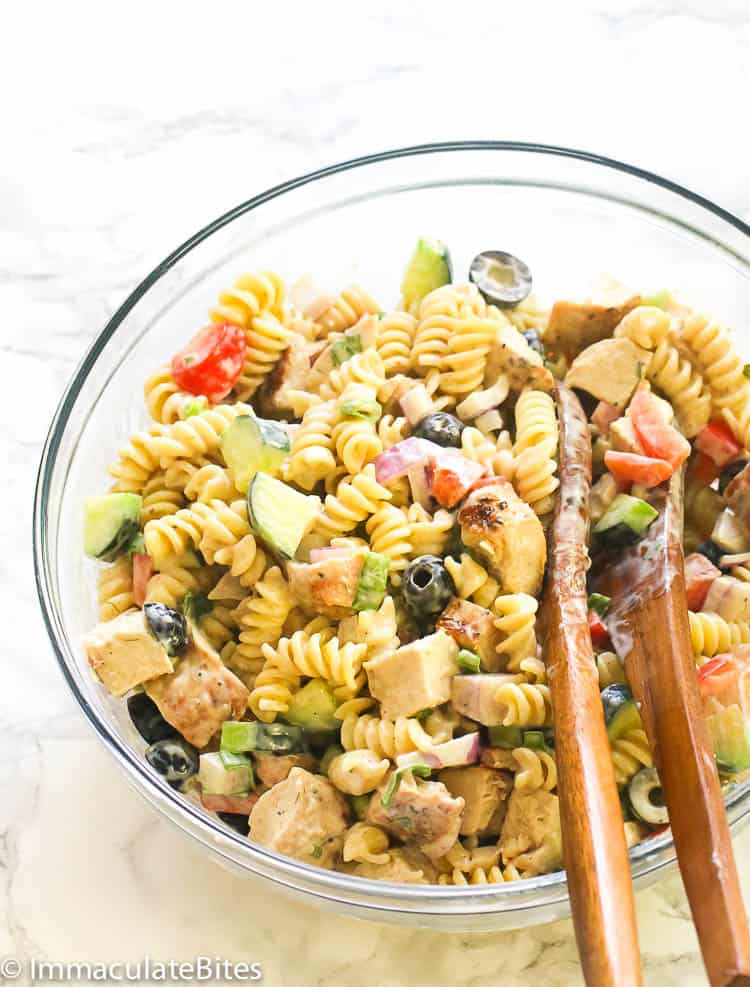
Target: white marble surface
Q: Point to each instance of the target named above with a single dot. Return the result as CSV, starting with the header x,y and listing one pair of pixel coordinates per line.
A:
x,y
127,128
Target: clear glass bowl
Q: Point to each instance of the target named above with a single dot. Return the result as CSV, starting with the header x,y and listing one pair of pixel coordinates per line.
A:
x,y
569,215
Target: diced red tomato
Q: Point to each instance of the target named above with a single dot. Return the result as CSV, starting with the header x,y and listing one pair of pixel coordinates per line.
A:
x,y
452,476
717,441
699,575
143,567
599,633
212,361
660,440
718,675
603,416
627,467
703,469
240,804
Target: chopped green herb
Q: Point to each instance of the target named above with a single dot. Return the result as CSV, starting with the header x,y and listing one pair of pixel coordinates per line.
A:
x,y
346,347
746,370
421,770
599,603
368,411
359,805
189,360
195,606
534,740
233,762
468,662
660,299
422,715
317,851
194,406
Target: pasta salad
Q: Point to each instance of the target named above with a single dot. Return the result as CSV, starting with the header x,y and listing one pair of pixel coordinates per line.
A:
x,y
323,560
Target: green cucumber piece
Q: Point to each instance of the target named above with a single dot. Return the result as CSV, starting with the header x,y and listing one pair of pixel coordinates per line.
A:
x,y
620,711
280,515
625,522
219,774
731,739
468,661
360,805
345,348
251,444
660,299
313,708
368,411
372,582
110,524
507,737
534,740
240,736
429,268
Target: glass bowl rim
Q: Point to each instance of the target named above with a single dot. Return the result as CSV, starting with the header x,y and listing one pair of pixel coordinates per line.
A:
x,y
326,884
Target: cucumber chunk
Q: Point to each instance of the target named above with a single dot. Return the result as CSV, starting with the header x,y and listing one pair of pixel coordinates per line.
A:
x,y
280,515
345,348
507,737
313,708
625,522
110,524
251,444
222,774
240,736
372,583
731,739
599,603
620,711
429,268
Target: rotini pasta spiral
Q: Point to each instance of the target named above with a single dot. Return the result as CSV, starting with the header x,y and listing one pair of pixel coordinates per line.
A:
x,y
358,772
429,533
261,618
711,634
535,450
356,498
356,441
719,361
527,705
211,482
646,326
674,375
463,363
366,844
164,399
319,656
175,533
198,435
536,769
439,313
630,753
494,454
312,453
115,584
392,430
177,575
529,314
160,499
472,581
390,534
516,622
343,311
250,295
394,341
219,625
363,368
385,738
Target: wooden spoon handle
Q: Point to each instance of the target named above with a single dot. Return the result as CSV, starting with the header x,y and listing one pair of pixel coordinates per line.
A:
x,y
595,852
649,625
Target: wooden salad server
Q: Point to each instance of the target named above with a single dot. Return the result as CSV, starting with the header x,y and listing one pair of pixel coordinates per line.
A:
x,y
595,852
648,622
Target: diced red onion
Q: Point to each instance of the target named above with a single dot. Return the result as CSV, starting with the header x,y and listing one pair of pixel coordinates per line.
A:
x,y
452,754
419,484
402,457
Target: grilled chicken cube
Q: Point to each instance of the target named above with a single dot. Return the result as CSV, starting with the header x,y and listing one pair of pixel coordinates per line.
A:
x,y
573,326
270,769
510,354
474,696
623,438
485,793
200,694
421,813
507,534
531,837
472,627
124,653
609,370
729,597
415,676
291,373
499,758
303,816
329,586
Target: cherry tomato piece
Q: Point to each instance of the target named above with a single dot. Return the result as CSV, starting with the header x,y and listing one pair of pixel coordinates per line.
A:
x,y
212,361
717,441
717,675
143,567
628,467
659,439
599,633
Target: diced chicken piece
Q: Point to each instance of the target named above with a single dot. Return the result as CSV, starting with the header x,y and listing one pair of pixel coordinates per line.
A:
x,y
415,676
303,816
573,326
485,793
472,627
327,587
291,373
603,415
509,536
200,694
623,438
474,696
729,597
601,496
124,653
499,758
531,838
228,588
422,813
407,865
699,574
609,370
511,355
737,495
270,769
